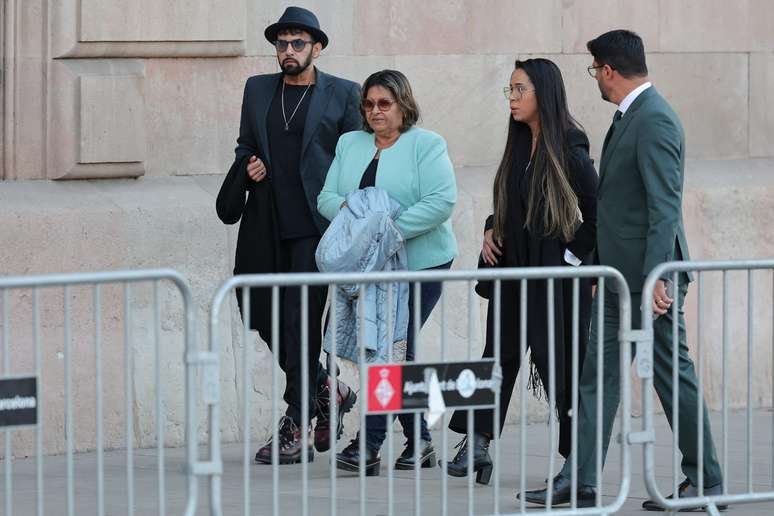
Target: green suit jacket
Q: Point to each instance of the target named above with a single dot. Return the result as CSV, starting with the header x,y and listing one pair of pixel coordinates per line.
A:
x,y
639,208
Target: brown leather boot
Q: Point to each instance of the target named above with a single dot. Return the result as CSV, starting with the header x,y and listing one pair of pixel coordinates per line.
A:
x,y
345,400
290,445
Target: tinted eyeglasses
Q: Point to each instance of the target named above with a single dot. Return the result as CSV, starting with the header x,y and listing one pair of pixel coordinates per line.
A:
x,y
381,104
298,44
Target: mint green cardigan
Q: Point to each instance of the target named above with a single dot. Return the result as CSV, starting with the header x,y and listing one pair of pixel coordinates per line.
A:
x,y
416,171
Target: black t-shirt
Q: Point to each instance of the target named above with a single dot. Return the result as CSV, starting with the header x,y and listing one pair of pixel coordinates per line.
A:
x,y
369,176
293,213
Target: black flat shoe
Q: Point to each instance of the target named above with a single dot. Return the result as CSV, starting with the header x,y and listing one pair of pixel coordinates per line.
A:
x,y
426,456
561,494
349,459
482,462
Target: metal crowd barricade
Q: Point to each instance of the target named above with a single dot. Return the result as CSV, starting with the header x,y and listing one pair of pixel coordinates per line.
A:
x,y
645,369
394,499
104,285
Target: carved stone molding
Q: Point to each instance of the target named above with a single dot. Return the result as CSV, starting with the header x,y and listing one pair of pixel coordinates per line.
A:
x,y
97,119
147,28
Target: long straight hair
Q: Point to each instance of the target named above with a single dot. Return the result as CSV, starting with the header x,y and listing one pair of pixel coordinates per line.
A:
x,y
552,207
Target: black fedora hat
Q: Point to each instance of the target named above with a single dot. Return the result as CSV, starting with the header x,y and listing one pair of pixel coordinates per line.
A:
x,y
297,18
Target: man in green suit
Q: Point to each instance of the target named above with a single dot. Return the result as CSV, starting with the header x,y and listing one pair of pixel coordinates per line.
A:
x,y
640,225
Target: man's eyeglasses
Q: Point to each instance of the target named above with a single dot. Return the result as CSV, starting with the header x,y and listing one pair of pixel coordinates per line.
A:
x,y
515,93
382,104
298,44
593,70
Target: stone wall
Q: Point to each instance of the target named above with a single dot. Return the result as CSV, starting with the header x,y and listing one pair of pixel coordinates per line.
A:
x,y
142,100
173,74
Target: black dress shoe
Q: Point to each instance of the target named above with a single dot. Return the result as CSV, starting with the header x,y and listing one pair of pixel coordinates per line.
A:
x,y
482,462
687,490
426,456
561,494
349,459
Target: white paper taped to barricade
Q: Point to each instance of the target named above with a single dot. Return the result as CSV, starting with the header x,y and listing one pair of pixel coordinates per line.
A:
x,y
435,404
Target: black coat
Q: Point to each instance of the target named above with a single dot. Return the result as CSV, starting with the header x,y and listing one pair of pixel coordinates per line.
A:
x,y
333,110
523,248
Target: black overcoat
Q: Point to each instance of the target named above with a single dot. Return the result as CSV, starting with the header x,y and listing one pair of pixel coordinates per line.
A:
x,y
333,110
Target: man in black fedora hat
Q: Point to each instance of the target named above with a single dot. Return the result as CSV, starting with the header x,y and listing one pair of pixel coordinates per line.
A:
x,y
288,131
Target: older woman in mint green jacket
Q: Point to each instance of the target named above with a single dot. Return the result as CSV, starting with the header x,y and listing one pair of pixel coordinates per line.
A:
x,y
412,165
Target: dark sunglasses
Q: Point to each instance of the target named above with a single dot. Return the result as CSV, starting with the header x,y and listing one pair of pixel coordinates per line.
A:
x,y
382,104
298,44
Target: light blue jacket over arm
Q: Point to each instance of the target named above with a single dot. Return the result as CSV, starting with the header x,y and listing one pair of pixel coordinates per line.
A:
x,y
363,237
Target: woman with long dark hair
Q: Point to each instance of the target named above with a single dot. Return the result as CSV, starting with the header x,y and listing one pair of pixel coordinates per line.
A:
x,y
544,215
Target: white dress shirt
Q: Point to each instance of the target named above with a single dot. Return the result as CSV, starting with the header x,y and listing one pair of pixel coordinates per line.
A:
x,y
628,100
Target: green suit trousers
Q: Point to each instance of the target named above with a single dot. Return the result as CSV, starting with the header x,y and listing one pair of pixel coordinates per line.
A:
x,y
688,395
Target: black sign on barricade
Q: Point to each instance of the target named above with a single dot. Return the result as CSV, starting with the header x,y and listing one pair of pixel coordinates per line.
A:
x,y
392,388
18,401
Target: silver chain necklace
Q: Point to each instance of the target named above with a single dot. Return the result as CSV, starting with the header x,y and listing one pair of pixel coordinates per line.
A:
x,y
284,117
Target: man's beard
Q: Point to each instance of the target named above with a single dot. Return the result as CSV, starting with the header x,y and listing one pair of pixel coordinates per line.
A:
x,y
296,69
605,97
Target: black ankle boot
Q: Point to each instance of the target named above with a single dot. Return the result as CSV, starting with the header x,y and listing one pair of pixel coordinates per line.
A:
x,y
482,462
349,459
426,456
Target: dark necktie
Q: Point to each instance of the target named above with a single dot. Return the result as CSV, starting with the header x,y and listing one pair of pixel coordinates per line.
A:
x,y
616,118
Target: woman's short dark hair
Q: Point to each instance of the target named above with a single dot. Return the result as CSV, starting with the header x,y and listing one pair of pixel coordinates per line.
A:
x,y
622,50
398,85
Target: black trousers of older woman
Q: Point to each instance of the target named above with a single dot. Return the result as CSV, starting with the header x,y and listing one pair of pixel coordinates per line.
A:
x,y
537,343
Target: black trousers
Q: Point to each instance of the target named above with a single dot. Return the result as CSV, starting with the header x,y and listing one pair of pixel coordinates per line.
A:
x,y
297,255
483,420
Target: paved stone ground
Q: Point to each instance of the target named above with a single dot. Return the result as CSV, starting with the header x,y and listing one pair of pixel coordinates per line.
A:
x,y
348,486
